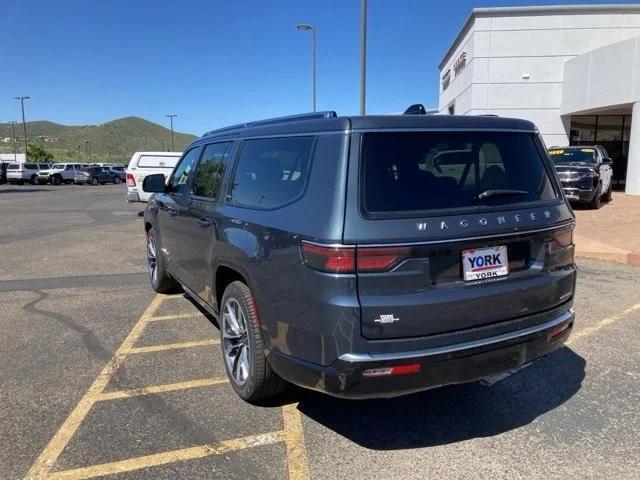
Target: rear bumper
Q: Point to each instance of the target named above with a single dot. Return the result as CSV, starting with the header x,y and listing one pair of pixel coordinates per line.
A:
x,y
132,197
458,363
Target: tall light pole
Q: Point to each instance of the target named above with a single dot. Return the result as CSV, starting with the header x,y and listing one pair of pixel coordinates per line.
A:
x,y
363,56
314,56
162,140
87,146
24,124
170,116
13,137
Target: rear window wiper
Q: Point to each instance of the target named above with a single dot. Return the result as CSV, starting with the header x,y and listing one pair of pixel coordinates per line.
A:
x,y
499,193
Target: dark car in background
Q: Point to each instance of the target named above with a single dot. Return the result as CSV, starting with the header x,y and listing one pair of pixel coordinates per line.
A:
x,y
585,173
95,176
368,256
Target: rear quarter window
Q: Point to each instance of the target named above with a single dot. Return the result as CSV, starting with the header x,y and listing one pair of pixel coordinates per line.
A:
x,y
271,172
157,161
13,166
420,171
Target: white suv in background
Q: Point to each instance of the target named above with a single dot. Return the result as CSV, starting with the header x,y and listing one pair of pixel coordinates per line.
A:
x,y
60,173
147,163
24,172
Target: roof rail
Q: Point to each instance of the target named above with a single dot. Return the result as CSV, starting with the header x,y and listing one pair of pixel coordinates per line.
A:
x,y
274,121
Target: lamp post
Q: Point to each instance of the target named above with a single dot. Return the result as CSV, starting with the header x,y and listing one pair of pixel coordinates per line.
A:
x,y
171,116
87,147
13,137
314,56
363,56
24,124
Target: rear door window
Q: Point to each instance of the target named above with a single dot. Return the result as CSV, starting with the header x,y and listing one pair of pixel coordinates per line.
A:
x,y
271,172
419,171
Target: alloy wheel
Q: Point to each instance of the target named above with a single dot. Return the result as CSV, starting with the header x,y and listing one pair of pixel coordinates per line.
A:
x,y
235,341
152,261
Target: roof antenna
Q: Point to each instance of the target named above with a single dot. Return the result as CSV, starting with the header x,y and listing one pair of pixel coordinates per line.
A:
x,y
416,109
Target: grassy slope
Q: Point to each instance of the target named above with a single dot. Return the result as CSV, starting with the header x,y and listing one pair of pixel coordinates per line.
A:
x,y
113,141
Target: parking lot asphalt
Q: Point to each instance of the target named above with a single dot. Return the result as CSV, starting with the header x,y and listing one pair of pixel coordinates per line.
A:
x,y
102,378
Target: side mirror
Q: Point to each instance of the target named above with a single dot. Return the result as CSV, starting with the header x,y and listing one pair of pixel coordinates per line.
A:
x,y
154,183
607,160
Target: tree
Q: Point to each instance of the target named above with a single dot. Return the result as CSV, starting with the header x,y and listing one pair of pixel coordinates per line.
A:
x,y
38,154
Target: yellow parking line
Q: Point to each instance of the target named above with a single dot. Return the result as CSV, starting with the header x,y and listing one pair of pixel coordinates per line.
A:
x,y
294,443
177,316
602,323
172,346
167,387
153,460
44,463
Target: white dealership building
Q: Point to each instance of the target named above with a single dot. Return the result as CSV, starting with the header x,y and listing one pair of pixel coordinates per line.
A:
x,y
573,70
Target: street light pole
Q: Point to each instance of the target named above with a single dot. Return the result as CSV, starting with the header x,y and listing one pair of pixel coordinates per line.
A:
x,y
162,140
24,124
363,56
173,149
314,56
87,148
13,137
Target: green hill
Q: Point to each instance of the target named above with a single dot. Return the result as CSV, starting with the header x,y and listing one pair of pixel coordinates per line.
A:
x,y
113,141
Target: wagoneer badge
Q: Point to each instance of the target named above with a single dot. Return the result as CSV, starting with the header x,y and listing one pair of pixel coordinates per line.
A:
x,y
484,221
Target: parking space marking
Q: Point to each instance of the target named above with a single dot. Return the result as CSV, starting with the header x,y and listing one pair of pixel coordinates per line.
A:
x,y
189,453
44,463
297,463
167,387
291,435
602,323
173,346
177,316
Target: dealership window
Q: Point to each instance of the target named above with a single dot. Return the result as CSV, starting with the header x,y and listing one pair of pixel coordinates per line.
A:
x,y
609,128
583,128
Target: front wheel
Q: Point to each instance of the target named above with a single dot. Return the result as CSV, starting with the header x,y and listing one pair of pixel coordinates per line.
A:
x,y
607,196
94,181
34,180
116,180
596,202
57,180
243,348
160,279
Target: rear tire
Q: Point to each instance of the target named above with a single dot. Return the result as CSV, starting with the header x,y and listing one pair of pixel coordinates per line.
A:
x,y
34,179
94,181
116,180
242,345
160,279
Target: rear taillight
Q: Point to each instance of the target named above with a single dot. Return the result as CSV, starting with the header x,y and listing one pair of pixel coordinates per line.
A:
x,y
131,182
326,258
560,250
347,259
558,331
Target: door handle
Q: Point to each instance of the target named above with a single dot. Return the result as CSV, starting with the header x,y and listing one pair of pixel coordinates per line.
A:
x,y
204,222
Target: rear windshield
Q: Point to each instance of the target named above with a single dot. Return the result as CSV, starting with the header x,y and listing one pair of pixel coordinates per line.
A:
x,y
417,171
569,155
157,161
13,166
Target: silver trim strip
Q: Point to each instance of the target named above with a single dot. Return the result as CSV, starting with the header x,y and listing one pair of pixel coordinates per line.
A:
x,y
441,129
376,357
466,239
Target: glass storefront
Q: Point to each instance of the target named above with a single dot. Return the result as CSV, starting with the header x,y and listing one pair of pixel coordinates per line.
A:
x,y
610,131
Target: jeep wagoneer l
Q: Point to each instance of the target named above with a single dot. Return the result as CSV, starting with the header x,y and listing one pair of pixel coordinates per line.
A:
x,y
368,256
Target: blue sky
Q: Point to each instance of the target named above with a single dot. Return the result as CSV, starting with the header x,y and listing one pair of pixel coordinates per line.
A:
x,y
215,63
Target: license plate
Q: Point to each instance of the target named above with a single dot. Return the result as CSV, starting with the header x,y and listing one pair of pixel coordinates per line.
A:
x,y
482,263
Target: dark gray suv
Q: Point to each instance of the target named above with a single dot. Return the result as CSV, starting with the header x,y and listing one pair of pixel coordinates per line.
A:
x,y
368,256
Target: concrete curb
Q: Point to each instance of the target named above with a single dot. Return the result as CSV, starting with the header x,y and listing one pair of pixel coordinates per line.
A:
x,y
629,258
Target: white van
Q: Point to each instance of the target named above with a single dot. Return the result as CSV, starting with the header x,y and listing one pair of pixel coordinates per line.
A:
x,y
147,163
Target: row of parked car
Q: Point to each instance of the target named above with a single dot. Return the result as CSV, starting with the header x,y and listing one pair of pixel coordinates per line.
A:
x,y
58,173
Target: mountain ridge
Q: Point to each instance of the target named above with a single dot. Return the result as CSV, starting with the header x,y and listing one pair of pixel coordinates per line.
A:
x,y
113,141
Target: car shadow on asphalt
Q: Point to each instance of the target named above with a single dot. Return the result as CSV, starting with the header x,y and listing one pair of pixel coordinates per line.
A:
x,y
444,415
24,190
450,414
